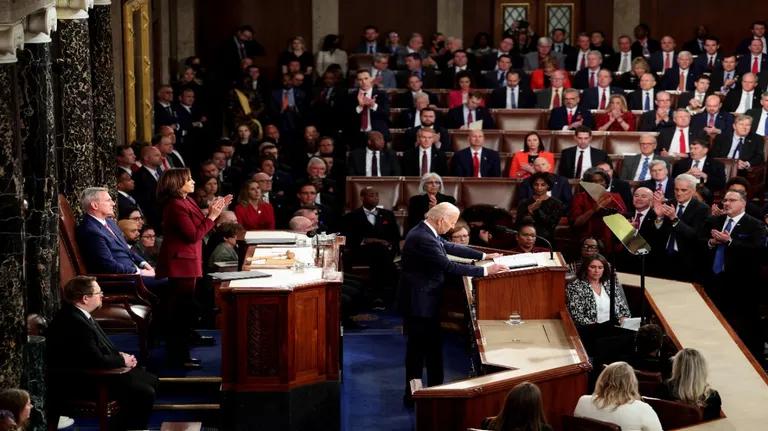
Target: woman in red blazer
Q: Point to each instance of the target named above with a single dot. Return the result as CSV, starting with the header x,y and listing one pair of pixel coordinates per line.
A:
x,y
181,256
251,211
463,88
522,162
616,118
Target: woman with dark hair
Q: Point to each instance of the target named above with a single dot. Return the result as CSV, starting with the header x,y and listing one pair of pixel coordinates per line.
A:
x,y
587,297
18,402
251,210
148,245
181,256
331,53
541,78
544,210
586,214
296,51
462,89
523,410
522,162
482,45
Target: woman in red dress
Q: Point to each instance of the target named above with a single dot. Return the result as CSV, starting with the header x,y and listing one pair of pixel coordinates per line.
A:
x,y
251,211
541,77
181,257
616,118
586,215
462,89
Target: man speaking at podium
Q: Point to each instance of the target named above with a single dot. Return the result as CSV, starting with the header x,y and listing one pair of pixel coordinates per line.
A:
x,y
424,264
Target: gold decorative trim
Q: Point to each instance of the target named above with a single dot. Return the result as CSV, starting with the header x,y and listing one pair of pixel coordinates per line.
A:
x,y
132,112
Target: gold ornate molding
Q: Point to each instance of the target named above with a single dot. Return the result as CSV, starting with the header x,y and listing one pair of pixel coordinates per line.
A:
x,y
138,82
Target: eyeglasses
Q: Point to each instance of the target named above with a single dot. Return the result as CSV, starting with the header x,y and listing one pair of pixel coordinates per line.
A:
x,y
148,236
99,293
136,218
460,236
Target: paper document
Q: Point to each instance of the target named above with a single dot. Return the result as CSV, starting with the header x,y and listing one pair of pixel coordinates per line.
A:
x,y
593,190
476,125
514,261
631,323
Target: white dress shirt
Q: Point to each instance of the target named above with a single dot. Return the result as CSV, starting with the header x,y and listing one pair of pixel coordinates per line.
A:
x,y
586,161
581,57
639,169
513,97
746,102
761,124
603,303
465,111
734,144
368,159
674,145
368,93
625,63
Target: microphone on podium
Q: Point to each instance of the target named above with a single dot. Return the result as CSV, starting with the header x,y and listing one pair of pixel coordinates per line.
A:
x,y
511,231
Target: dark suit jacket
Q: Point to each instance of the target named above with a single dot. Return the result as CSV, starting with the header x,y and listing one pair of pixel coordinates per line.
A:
x,y
581,79
671,79
723,121
362,48
733,98
665,139
714,169
418,205
561,190
490,163
125,206
455,118
379,117
388,164
637,49
448,77
498,98
648,123
717,78
656,61
491,79
572,57
356,228
686,233
623,189
405,100
544,97
755,113
568,160
163,117
751,151
590,98
428,78
630,164
103,252
73,342
145,195
445,139
424,265
742,255
412,162
745,63
669,190
558,118
701,63
636,101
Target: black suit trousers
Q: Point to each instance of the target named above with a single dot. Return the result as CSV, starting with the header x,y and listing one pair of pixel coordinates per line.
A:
x,y
135,391
424,347
183,312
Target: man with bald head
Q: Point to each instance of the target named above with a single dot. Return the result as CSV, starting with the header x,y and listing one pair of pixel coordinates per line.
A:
x,y
561,189
424,265
642,218
476,161
300,224
713,120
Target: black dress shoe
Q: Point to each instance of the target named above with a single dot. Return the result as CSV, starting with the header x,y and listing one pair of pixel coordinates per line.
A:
x,y
203,340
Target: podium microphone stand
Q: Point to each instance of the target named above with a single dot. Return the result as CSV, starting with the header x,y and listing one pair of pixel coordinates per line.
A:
x,y
636,245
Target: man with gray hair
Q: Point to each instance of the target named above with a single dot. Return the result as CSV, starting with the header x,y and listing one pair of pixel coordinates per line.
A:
x,y
543,49
382,76
300,224
681,76
424,265
678,224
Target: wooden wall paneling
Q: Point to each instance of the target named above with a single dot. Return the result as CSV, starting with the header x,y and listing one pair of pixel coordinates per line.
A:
x,y
479,16
402,16
598,15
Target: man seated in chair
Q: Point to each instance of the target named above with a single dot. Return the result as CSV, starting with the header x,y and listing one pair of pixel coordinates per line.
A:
x,y
75,342
101,242
740,144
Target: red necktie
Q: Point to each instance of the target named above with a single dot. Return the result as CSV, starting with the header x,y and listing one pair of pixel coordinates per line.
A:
x,y
364,118
591,79
583,61
755,66
667,60
425,163
636,221
476,165
711,122
711,61
469,118
602,100
570,117
579,161
681,82
682,142
556,100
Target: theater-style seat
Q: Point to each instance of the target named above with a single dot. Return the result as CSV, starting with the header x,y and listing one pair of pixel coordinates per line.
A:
x,y
499,192
360,61
411,188
397,139
674,415
573,423
624,142
389,189
460,139
513,140
519,119
563,140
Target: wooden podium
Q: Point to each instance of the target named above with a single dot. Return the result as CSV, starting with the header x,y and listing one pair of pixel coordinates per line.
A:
x,y
545,350
280,349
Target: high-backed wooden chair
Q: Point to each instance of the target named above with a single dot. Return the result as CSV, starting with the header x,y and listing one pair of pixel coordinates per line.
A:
x,y
499,192
573,423
397,138
460,139
673,414
100,405
127,304
389,189
513,140
519,119
648,382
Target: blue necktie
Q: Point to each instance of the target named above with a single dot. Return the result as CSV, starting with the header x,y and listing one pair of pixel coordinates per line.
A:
x,y
643,170
765,129
672,241
647,103
719,264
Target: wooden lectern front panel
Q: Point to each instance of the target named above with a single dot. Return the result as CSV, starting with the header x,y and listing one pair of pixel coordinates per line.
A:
x,y
535,294
309,346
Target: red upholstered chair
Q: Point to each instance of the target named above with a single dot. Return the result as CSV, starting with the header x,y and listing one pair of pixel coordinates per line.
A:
x,y
573,423
673,414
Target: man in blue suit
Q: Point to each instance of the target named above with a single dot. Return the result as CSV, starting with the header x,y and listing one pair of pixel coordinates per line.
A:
x,y
476,161
424,264
101,241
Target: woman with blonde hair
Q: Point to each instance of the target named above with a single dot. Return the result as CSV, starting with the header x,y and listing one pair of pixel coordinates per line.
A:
x,y
688,383
617,117
616,399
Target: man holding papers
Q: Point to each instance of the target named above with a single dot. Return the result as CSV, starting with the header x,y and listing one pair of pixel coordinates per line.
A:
x,y
424,265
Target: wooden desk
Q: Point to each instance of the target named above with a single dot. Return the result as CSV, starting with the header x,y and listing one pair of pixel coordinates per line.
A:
x,y
691,320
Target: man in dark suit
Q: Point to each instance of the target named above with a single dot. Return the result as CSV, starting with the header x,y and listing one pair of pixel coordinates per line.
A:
x,y
125,202
759,116
373,239
506,47
289,107
412,117
678,224
741,145
192,125
460,67
428,121
570,116
741,100
561,188
74,341
735,243
587,76
236,49
460,117
573,165
424,265
677,139
659,118
599,96
709,171
559,44
696,45
758,32
755,61
576,57
643,98
513,95
425,157
642,218
496,77
681,70
165,115
146,185
407,99
664,59
725,78
476,160
621,61
660,180
713,120
370,43
374,160
710,59
414,66
368,109
552,97
637,167
643,44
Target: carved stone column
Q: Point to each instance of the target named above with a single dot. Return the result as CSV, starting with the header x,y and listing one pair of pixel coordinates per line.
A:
x,y
103,84
39,167
74,111
12,324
